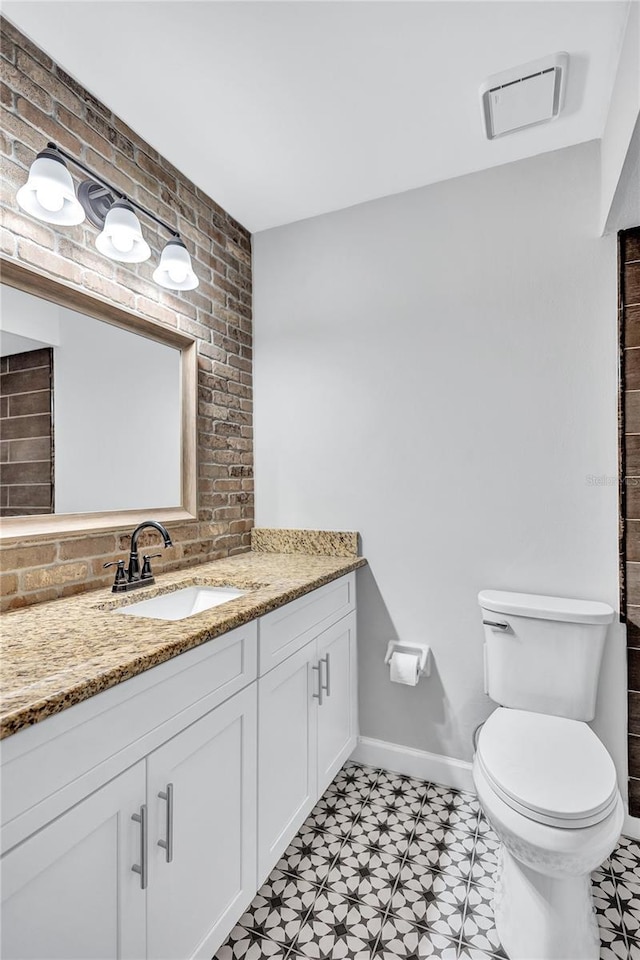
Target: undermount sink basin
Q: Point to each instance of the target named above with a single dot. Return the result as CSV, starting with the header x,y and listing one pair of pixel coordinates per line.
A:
x,y
181,603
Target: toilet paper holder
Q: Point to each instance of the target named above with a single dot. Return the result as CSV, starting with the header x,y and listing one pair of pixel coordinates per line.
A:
x,y
422,650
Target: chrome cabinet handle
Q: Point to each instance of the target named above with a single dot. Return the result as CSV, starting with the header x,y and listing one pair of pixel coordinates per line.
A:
x,y
141,867
167,843
496,624
327,673
318,696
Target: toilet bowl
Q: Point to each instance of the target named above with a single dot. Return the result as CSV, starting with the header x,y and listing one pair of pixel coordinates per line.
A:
x,y
548,787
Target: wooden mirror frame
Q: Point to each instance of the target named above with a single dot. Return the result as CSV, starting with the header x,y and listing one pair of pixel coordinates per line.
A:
x,y
40,285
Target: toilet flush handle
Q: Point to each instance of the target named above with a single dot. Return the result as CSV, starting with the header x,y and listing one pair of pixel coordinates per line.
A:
x,y
496,624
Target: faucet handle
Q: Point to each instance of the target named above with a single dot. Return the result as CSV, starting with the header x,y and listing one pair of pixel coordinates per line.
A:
x,y
146,565
119,572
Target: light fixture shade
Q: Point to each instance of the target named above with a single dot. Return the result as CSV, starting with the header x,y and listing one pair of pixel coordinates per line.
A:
x,y
174,270
48,193
121,237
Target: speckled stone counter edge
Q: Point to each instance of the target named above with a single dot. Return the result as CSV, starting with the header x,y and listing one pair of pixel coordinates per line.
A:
x,y
59,653
323,543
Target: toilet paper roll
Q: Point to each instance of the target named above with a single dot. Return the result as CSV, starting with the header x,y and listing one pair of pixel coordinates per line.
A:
x,y
404,668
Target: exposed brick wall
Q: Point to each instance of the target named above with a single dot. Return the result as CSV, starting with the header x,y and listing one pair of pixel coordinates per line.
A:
x,y
629,246
26,388
41,102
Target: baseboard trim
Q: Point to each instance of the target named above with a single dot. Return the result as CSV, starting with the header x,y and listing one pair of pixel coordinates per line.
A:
x,y
447,771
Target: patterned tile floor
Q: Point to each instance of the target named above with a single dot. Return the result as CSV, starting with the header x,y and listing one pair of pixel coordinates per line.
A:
x,y
400,869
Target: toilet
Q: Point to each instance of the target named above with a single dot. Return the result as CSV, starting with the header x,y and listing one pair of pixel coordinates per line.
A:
x,y
544,780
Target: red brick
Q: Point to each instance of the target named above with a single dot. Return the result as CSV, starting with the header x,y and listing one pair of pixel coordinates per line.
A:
x,y
89,137
26,87
53,264
87,547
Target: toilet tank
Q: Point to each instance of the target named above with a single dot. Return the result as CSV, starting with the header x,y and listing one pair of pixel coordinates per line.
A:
x,y
543,653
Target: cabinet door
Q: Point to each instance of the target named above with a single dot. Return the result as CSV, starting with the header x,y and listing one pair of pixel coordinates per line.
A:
x,y
68,892
204,877
287,758
338,713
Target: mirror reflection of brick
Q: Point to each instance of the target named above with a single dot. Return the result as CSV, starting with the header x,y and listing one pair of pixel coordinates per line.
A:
x,y
26,444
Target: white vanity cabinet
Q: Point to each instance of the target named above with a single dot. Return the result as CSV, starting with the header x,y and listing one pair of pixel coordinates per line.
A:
x,y
307,710
139,824
92,881
338,711
68,892
202,809
287,769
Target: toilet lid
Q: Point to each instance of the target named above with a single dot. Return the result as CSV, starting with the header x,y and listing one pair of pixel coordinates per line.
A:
x,y
551,769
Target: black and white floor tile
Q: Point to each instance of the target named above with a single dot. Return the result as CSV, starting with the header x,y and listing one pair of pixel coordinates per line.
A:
x,y
394,868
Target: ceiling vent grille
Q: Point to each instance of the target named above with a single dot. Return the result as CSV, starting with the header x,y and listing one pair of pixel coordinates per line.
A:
x,y
524,96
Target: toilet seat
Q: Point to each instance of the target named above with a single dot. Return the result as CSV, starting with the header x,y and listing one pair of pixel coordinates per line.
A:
x,y
550,769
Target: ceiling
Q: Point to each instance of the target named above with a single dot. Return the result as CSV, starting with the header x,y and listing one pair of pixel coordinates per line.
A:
x,y
285,110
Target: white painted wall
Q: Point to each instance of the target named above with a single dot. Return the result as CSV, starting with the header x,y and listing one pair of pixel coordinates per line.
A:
x,y
625,207
622,117
117,408
437,369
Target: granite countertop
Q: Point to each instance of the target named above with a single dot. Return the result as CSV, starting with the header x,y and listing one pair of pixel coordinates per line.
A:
x,y
59,653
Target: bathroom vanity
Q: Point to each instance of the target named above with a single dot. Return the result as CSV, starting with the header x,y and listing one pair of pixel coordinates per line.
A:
x,y
141,820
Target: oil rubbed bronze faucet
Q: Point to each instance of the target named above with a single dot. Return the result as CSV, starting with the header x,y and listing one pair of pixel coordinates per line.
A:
x,y
133,577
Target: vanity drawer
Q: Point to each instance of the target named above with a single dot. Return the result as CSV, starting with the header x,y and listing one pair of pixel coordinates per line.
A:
x,y
52,765
289,628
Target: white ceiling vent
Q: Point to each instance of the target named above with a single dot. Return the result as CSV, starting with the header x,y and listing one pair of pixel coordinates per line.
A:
x,y
524,96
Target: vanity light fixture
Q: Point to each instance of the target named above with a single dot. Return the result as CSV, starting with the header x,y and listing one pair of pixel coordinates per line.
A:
x,y
121,237
174,270
49,195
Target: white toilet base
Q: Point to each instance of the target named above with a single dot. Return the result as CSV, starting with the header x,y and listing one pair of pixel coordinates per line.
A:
x,y
541,917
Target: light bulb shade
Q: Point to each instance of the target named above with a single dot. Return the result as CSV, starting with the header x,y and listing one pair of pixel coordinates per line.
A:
x,y
48,193
174,270
121,237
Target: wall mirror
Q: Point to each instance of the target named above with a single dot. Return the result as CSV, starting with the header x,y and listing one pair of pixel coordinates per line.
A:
x,y
97,412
